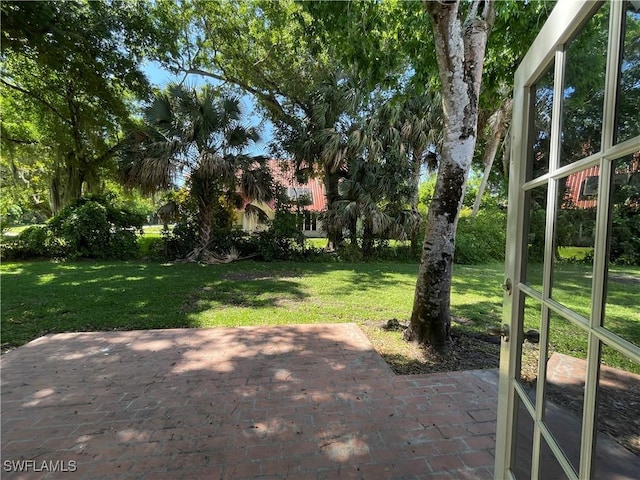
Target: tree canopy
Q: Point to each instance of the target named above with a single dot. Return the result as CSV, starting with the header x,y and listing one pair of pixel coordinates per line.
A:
x,y
199,134
71,72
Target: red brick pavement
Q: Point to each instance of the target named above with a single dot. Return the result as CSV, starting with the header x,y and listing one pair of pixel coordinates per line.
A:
x,y
299,402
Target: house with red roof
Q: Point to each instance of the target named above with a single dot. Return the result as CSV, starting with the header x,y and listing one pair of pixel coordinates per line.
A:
x,y
308,201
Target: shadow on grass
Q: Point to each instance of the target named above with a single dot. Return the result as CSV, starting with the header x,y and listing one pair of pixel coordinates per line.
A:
x,y
256,293
366,277
47,297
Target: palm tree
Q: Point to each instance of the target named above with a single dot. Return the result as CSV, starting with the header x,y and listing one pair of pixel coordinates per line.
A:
x,y
401,137
363,198
318,141
411,127
197,134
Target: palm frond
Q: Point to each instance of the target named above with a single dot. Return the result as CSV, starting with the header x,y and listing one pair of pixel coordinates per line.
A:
x,y
256,211
257,184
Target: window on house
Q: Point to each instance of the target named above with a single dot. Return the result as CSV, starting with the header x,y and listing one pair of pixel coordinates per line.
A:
x,y
589,187
310,222
302,195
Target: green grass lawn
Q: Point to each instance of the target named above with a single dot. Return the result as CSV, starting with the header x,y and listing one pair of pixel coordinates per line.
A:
x,y
154,229
316,242
44,297
571,287
575,253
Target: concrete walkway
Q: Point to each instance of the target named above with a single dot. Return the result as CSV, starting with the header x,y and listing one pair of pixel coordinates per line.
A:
x,y
297,402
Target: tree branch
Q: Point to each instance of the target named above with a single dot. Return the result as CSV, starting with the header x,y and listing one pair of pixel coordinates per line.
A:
x,y
75,122
19,141
35,96
109,153
267,99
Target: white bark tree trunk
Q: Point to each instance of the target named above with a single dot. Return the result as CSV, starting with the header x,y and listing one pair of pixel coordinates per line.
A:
x,y
460,50
498,123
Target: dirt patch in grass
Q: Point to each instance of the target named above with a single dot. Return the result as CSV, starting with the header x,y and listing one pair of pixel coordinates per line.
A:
x,y
255,275
468,351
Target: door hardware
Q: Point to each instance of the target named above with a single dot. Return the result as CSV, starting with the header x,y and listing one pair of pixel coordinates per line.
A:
x,y
507,286
532,335
499,332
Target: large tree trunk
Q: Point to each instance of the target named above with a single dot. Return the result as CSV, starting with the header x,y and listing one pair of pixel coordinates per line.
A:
x,y
204,189
367,240
460,50
204,217
66,184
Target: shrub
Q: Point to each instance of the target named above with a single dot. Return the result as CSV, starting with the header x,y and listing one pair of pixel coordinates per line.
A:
x,y
350,252
89,228
150,246
84,230
481,239
33,242
93,228
625,237
180,241
123,244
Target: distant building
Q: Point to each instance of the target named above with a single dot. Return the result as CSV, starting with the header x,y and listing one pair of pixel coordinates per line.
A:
x,y
308,201
582,187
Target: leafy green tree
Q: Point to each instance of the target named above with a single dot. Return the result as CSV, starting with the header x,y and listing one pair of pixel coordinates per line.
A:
x,y
628,102
516,25
406,132
71,70
198,134
368,196
313,68
461,32
624,247
291,55
25,186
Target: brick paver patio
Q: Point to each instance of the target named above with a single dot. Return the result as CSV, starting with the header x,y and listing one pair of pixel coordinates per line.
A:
x,y
297,402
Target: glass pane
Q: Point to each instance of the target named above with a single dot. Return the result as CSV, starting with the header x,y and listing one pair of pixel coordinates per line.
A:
x,y
541,138
622,315
537,215
522,451
583,92
628,104
574,240
565,380
530,353
617,453
550,468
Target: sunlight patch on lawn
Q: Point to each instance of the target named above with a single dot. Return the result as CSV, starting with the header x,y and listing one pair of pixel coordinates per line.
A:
x,y
48,278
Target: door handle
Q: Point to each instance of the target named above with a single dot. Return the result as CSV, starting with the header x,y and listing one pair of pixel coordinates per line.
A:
x,y
499,332
532,335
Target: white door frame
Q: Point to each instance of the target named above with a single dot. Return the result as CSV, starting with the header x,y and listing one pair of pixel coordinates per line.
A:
x,y
563,23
